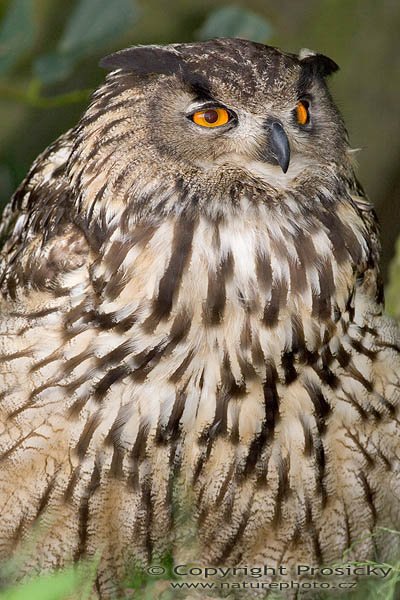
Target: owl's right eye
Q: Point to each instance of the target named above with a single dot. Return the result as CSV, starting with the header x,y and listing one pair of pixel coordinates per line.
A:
x,y
211,117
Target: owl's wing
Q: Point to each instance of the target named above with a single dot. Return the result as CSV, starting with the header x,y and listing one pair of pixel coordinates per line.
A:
x,y
43,274
40,210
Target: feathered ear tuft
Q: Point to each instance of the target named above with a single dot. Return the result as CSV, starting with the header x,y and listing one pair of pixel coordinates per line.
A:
x,y
144,60
319,63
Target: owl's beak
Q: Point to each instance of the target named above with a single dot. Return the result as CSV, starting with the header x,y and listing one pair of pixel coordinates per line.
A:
x,y
279,145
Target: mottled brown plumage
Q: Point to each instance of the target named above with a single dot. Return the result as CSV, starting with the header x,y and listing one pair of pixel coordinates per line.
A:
x,y
183,324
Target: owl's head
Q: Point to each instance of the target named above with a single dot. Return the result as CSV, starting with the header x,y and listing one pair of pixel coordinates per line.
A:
x,y
231,101
224,110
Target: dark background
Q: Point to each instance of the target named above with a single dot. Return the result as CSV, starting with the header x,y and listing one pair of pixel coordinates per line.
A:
x,y
49,50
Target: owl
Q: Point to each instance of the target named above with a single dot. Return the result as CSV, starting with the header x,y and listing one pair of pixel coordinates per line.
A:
x,y
191,324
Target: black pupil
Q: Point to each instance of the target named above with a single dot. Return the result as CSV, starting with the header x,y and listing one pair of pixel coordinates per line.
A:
x,y
211,116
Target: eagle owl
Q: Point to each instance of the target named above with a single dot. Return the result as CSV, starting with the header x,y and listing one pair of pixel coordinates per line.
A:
x,y
191,314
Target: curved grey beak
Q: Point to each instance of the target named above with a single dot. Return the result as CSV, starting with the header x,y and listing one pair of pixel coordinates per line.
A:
x,y
279,145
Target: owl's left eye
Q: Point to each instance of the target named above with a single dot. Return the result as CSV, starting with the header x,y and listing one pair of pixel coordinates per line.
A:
x,y
302,112
211,117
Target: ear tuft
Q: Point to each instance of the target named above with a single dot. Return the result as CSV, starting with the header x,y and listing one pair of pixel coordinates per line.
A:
x,y
319,63
144,60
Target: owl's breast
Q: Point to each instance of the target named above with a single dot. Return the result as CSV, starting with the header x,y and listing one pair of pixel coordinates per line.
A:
x,y
213,307
233,353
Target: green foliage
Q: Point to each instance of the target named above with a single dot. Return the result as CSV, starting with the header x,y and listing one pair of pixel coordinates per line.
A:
x,y
17,34
53,587
96,23
92,26
234,21
139,578
70,583
56,586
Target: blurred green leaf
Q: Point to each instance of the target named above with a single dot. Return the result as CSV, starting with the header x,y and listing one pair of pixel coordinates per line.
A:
x,y
234,21
53,67
51,587
17,34
93,25
72,582
393,289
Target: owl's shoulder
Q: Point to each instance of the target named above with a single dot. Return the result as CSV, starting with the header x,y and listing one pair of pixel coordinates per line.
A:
x,y
38,193
38,237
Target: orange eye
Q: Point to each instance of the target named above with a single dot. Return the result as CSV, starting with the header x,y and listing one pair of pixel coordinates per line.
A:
x,y
302,114
211,117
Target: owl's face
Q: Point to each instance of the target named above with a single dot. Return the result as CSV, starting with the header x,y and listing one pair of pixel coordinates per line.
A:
x,y
232,104
187,126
